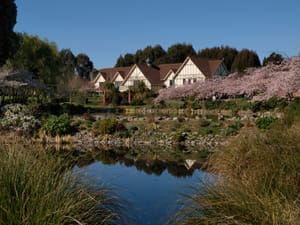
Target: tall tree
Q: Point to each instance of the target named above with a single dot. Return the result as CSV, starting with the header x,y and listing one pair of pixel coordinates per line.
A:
x,y
84,66
245,58
8,40
224,52
274,58
38,56
177,53
67,63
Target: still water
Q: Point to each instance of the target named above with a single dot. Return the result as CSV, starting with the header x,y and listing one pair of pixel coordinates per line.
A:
x,y
152,186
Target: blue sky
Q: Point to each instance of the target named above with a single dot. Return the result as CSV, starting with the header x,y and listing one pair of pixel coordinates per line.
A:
x,y
105,29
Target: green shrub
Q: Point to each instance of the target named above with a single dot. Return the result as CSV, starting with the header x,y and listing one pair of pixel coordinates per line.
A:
x,y
270,104
58,125
204,123
207,130
37,189
107,126
264,123
181,137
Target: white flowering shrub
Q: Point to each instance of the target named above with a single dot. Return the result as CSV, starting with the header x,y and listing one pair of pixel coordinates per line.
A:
x,y
17,117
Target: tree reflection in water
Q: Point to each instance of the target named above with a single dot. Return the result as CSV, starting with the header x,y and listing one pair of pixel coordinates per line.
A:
x,y
151,161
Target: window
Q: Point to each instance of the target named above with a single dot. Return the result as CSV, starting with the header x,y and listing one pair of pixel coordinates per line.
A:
x,y
194,80
135,82
183,81
189,81
118,84
171,83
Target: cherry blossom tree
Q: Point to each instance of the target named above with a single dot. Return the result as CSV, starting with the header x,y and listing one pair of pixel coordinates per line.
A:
x,y
274,80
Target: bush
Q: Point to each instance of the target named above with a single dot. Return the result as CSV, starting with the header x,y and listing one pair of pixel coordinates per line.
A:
x,y
58,125
17,117
107,126
204,123
37,189
181,137
264,123
233,128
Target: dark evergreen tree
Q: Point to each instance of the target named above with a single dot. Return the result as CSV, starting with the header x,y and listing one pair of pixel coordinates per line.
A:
x,y
274,58
67,63
8,39
179,52
84,66
244,59
226,53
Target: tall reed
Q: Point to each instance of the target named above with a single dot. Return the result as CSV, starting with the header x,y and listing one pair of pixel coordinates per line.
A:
x,y
259,181
36,189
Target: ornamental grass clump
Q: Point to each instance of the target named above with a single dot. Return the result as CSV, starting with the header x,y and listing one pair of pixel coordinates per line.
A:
x,y
258,181
37,189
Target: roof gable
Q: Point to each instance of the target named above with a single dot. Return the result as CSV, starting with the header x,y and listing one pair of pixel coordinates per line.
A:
x,y
152,74
167,69
207,66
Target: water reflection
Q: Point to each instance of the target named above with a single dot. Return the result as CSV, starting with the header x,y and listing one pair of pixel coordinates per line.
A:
x,y
152,161
150,179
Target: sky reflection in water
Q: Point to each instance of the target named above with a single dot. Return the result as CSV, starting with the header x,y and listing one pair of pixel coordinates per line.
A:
x,y
152,187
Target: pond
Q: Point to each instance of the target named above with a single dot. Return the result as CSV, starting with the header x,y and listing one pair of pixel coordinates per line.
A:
x,y
152,184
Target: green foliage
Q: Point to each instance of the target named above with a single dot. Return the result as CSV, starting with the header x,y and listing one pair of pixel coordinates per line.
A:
x,y
140,93
36,188
274,58
84,66
245,58
270,104
181,137
107,126
38,56
204,123
264,123
175,54
58,125
8,39
67,61
226,53
233,128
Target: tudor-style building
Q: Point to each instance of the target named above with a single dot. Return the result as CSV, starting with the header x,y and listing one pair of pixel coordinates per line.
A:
x,y
192,70
195,69
115,75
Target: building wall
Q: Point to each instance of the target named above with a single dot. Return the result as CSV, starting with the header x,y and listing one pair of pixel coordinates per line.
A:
x,y
169,80
188,74
118,81
99,80
135,76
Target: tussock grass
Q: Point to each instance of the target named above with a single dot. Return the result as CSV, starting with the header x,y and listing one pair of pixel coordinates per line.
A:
x,y
259,181
36,189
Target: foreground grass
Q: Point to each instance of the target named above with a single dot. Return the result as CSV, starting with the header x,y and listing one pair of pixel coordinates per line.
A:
x,y
259,181
36,189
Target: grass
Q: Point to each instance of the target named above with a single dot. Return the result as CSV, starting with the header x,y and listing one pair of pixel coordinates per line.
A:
x,y
259,181
37,189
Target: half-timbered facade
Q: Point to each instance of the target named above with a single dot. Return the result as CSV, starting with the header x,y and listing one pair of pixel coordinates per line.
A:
x,y
192,70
